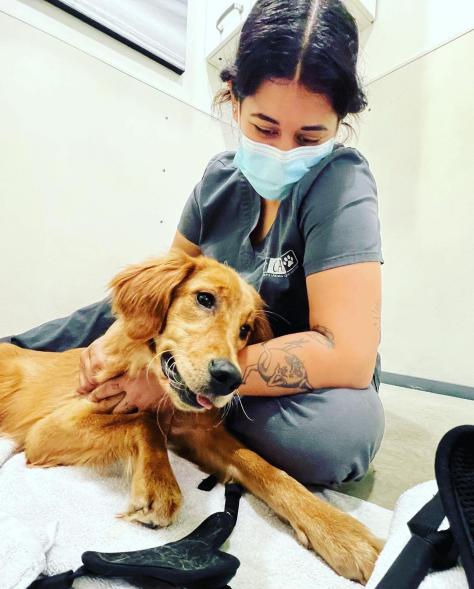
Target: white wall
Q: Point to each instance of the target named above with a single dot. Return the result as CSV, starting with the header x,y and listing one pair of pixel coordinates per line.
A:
x,y
87,126
196,86
417,137
94,169
405,29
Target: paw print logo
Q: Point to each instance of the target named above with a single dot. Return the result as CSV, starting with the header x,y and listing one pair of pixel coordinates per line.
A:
x,y
288,260
281,266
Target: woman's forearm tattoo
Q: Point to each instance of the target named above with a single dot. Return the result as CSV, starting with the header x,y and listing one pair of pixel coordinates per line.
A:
x,y
281,367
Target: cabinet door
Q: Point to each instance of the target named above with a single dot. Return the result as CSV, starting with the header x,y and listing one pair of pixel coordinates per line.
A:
x,y
224,19
362,10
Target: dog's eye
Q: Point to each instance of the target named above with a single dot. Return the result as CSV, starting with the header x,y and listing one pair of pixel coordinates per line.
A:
x,y
244,331
206,299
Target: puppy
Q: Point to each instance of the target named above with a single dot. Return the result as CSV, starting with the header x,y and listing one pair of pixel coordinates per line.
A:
x,y
184,319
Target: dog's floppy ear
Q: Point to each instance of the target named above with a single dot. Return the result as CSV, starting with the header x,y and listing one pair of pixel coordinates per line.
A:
x,y
142,293
261,331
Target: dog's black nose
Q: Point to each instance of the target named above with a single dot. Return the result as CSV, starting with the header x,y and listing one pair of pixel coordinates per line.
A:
x,y
225,377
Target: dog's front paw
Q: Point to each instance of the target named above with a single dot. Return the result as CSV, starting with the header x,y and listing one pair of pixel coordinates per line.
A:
x,y
342,541
154,505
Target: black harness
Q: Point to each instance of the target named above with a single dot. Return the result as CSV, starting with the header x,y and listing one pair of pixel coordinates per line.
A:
x,y
194,562
429,548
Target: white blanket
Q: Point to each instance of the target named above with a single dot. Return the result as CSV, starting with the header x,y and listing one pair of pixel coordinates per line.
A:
x,y
407,505
62,512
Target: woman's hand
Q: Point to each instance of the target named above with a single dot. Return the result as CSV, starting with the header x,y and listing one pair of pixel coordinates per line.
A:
x,y
92,360
142,392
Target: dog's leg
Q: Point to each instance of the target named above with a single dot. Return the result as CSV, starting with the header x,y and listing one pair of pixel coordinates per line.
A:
x,y
344,543
79,437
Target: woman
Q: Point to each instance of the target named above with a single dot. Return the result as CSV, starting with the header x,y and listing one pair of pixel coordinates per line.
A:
x,y
296,215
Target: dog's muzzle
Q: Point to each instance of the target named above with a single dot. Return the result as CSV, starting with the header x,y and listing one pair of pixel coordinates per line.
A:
x,y
224,378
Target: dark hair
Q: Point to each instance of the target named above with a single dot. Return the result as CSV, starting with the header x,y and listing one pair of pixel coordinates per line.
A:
x,y
317,41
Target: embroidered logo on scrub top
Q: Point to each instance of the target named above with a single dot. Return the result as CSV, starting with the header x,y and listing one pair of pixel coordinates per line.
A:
x,y
282,266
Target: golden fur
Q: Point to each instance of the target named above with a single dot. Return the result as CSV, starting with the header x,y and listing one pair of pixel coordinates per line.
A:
x,y
41,411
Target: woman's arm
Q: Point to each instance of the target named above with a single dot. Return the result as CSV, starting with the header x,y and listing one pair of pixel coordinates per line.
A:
x,y
75,331
182,243
341,348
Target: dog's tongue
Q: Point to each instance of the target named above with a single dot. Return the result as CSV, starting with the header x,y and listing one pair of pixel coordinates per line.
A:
x,y
204,402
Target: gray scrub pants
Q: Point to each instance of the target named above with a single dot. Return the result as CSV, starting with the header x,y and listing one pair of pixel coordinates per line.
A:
x,y
324,437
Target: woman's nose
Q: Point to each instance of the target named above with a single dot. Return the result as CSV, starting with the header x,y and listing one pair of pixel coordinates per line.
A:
x,y
285,143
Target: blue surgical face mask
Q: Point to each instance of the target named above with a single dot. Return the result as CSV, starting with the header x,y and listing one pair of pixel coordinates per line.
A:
x,y
273,172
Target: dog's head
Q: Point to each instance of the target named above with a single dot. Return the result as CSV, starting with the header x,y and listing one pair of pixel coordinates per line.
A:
x,y
200,314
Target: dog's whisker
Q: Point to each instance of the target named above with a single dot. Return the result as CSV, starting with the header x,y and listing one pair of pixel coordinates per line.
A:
x,y
177,383
172,378
162,400
147,370
228,408
148,366
158,418
225,412
219,422
169,368
158,354
170,365
240,401
268,312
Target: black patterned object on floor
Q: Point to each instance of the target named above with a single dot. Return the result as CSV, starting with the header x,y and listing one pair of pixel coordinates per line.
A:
x,y
194,562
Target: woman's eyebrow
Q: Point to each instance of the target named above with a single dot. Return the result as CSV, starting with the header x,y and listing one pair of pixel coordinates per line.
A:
x,y
314,128
260,115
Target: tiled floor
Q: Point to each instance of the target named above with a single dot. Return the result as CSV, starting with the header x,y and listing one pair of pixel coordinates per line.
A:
x,y
415,422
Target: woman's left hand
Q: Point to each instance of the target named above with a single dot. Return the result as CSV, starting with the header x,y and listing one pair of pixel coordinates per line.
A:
x,y
143,392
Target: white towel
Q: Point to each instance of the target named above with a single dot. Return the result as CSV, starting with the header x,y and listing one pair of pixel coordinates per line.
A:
x,y
407,505
22,551
84,504
7,449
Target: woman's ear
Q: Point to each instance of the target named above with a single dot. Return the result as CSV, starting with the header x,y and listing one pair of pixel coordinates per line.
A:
x,y
235,103
142,293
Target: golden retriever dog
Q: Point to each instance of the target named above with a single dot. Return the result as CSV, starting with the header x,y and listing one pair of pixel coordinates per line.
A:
x,y
184,319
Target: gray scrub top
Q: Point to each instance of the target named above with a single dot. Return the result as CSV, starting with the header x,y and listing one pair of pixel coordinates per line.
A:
x,y
330,219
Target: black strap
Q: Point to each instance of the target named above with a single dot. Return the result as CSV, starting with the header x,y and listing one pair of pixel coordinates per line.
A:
x,y
222,523
426,549
428,519
208,483
233,493
60,581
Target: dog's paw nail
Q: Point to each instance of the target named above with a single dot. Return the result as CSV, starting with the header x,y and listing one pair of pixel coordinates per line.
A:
x,y
149,525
